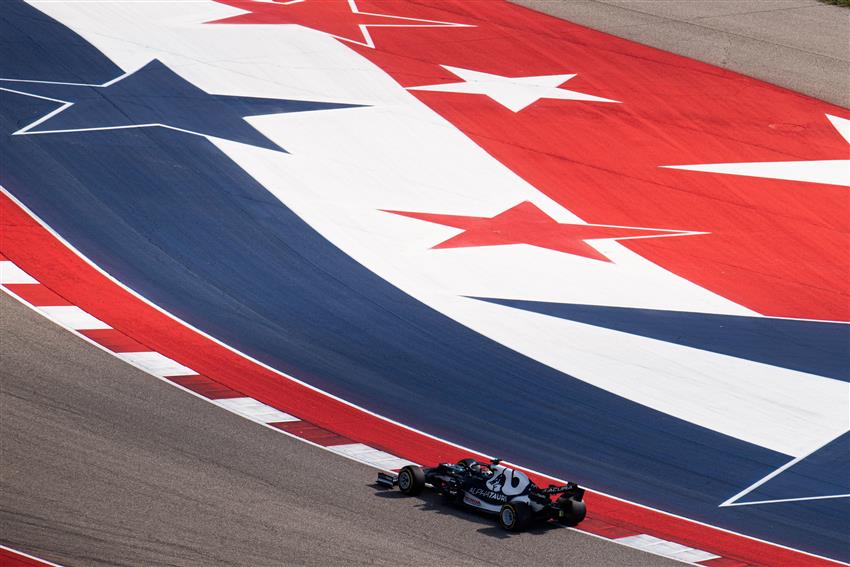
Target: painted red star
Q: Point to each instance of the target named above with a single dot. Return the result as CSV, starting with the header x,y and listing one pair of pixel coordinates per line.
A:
x,y
527,224
341,19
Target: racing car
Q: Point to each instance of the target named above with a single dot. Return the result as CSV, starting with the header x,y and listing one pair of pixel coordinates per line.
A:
x,y
495,489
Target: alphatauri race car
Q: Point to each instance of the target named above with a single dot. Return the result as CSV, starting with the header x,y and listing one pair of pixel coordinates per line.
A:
x,y
494,489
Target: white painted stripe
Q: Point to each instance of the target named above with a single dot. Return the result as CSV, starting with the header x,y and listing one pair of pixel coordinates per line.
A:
x,y
254,410
777,501
733,501
666,548
370,456
829,171
10,273
73,317
156,364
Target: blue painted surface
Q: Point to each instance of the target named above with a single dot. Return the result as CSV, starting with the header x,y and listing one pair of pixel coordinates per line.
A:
x,y
171,216
826,472
816,347
154,94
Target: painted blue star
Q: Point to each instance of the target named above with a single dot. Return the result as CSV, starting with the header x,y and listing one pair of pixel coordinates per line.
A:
x,y
154,96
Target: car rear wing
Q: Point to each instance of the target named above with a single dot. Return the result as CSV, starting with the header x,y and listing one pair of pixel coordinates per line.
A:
x,y
571,489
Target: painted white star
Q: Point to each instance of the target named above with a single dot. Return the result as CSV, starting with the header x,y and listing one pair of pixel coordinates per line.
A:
x,y
514,93
829,172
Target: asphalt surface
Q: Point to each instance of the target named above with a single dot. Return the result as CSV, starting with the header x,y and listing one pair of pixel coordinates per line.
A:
x,y
103,464
803,45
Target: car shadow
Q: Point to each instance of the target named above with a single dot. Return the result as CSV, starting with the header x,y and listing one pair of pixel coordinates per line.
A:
x,y
430,501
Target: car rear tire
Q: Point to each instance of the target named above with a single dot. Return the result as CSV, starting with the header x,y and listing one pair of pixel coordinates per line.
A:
x,y
570,512
411,480
515,516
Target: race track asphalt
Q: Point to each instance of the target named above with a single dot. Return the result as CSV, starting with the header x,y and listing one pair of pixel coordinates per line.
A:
x,y
106,465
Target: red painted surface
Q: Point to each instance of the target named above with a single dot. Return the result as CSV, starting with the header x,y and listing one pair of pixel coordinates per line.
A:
x,y
116,341
206,387
11,558
724,562
314,433
38,295
777,247
527,224
604,529
335,18
46,259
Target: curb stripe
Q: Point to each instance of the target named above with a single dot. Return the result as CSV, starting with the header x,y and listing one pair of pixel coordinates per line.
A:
x,y
10,273
725,562
667,548
114,340
73,317
254,410
156,364
368,455
313,433
205,387
37,294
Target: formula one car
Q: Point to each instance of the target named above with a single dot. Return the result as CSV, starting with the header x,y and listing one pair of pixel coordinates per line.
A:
x,y
494,489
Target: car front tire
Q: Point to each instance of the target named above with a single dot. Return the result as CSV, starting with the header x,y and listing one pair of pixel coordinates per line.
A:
x,y
411,480
515,516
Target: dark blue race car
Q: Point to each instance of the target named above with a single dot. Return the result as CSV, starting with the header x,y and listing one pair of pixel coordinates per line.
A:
x,y
495,489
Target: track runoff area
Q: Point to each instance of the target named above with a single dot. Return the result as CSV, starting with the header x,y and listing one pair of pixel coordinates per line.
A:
x,y
398,230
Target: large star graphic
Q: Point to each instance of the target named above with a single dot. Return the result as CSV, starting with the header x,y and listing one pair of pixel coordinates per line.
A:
x,y
514,93
527,224
829,172
153,96
341,19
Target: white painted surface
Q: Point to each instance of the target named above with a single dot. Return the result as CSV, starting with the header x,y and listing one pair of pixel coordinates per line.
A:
x,y
156,363
73,317
841,125
346,165
830,172
255,410
370,456
514,93
10,273
666,548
